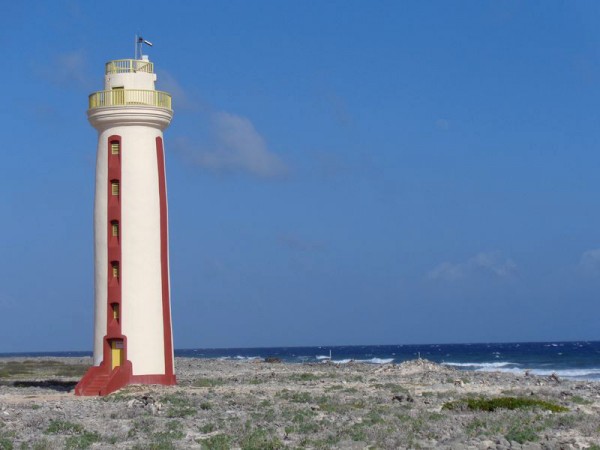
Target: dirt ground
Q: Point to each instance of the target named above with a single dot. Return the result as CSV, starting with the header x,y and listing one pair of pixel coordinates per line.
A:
x,y
220,404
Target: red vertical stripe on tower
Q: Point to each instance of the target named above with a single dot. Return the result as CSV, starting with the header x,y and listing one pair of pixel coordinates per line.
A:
x,y
113,213
164,258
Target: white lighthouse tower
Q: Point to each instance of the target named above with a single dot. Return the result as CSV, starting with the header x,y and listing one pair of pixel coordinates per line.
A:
x,y
133,340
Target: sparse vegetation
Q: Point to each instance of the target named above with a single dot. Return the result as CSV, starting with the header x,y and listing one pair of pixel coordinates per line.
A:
x,y
173,431
208,382
260,439
122,395
64,427
578,400
42,444
392,387
511,403
78,438
49,368
329,407
521,435
83,440
207,428
295,396
141,426
305,376
6,443
178,405
217,442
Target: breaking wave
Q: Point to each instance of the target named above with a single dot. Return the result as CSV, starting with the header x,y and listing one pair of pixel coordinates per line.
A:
x,y
516,368
366,361
480,366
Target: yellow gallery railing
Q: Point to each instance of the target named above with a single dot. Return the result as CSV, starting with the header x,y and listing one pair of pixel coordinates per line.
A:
x,y
129,66
130,97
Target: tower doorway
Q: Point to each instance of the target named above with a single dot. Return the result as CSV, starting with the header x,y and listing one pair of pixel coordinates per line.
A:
x,y
116,353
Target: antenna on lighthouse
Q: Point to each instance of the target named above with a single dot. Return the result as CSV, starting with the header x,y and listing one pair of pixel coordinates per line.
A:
x,y
139,42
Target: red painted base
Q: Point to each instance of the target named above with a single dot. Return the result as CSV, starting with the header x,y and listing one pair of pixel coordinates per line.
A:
x,y
100,381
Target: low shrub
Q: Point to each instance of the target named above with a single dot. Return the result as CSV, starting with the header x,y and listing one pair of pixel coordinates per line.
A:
x,y
217,442
511,403
84,440
521,435
208,382
64,427
260,439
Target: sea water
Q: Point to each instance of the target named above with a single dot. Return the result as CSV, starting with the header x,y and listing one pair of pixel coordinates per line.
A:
x,y
572,360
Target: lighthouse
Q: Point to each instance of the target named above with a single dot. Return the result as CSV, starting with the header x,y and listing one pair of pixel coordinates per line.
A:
x,y
133,342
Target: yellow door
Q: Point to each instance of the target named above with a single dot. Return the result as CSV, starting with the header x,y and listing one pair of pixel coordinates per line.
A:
x,y
116,352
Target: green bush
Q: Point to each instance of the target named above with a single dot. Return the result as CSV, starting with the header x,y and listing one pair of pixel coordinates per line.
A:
x,y
511,403
179,405
207,428
580,400
84,440
5,443
208,382
260,439
64,427
521,435
218,442
304,377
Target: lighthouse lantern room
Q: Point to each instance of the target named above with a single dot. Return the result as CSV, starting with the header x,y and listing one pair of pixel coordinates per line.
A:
x,y
133,341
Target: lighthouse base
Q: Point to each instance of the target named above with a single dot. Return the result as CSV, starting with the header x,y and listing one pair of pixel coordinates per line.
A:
x,y
100,380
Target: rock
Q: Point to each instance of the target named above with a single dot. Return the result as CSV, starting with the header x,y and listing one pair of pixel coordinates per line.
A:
x,y
551,444
502,441
487,444
459,447
147,402
272,360
531,446
403,398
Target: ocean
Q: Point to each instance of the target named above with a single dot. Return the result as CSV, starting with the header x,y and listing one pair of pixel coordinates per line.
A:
x,y
572,360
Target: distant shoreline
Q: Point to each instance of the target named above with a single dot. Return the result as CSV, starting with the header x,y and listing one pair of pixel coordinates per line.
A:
x,y
573,359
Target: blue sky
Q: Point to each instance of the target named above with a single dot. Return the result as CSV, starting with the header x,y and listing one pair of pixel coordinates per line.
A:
x,y
340,172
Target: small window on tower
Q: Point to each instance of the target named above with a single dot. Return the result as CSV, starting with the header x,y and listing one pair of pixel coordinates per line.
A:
x,y
115,269
115,148
115,187
115,228
115,310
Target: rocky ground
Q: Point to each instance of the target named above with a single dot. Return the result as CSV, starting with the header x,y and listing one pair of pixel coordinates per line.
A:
x,y
268,405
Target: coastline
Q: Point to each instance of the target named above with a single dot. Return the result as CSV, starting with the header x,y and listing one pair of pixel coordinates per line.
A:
x,y
255,404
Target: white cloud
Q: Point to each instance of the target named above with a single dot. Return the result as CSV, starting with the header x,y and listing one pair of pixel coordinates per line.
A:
x,y
590,261
491,263
237,147
181,98
233,144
